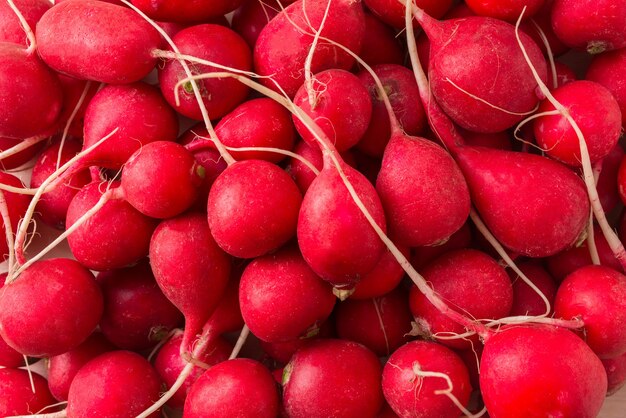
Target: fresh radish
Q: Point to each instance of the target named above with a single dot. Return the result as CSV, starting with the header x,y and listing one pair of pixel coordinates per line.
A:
x,y
392,11
539,26
607,182
607,69
380,45
186,11
21,157
77,94
10,28
422,256
16,204
526,301
283,351
508,10
616,373
252,16
52,307
385,277
19,397
9,357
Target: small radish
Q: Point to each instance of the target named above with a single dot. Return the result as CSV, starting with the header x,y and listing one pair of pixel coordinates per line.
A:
x,y
77,95
51,308
186,11
252,16
18,397
526,301
608,181
10,28
117,384
247,380
508,10
17,205
542,21
385,277
392,11
19,158
321,378
415,381
9,358
616,373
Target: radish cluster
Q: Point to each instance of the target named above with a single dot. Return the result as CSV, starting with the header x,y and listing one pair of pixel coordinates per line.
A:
x,y
295,208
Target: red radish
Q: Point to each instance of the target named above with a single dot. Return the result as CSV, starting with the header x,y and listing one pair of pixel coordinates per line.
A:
x,y
26,115
257,123
209,158
303,302
53,205
564,74
95,40
392,11
382,324
138,111
118,384
10,28
414,381
18,398
115,236
339,104
597,295
524,366
8,356
169,363
186,11
595,111
52,307
213,43
607,182
253,208
322,377
191,270
247,380
136,313
162,179
17,204
380,45
509,10
594,25
543,20
399,84
460,239
252,16
334,236
422,190
526,301
382,279
75,91
497,140
470,282
534,218
607,69
283,45
22,157
284,350
63,368
616,373
476,95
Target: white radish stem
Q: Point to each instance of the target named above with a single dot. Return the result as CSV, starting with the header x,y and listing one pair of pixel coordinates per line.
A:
x,y
8,231
60,414
243,336
66,129
591,241
308,74
30,35
27,143
544,39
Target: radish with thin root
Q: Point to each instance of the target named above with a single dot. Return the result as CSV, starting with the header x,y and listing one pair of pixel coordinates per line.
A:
x,y
11,30
508,10
608,69
19,397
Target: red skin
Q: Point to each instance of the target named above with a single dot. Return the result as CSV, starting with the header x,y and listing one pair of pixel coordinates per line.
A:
x,y
564,74
411,395
162,179
342,108
114,385
321,378
20,158
252,16
597,295
509,10
186,11
18,397
392,11
214,43
253,208
380,45
594,25
528,219
114,237
284,350
137,315
596,113
334,236
493,66
140,113
381,324
95,40
422,256
399,84
26,115
53,205
63,368
470,282
239,388
525,300
17,205
608,69
257,123
383,278
10,28
191,270
524,367
543,18
497,140
616,373
168,364
608,181
8,356
72,91
422,190
281,48
227,315
44,321
303,302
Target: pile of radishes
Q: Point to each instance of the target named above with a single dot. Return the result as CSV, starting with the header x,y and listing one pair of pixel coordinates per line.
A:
x,y
388,208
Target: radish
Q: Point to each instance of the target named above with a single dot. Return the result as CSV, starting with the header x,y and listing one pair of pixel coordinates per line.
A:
x,y
252,16
16,205
597,295
508,10
616,373
51,308
17,152
191,270
526,301
304,300
113,385
63,368
19,397
9,357
247,380
136,313
524,366
385,277
541,23
380,45
608,180
322,378
606,69
422,256
11,29
283,351
392,11
77,94
186,11
425,379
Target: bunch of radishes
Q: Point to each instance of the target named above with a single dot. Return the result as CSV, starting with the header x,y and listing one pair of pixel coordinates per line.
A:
x,y
380,225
